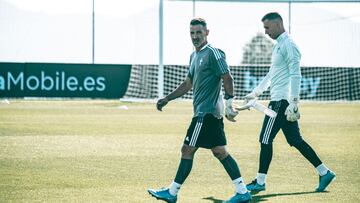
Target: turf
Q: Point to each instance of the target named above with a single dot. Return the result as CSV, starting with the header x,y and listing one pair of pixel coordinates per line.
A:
x,y
99,151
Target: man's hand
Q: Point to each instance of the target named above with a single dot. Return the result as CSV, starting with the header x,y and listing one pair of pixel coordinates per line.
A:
x,y
247,98
292,111
250,96
230,112
161,103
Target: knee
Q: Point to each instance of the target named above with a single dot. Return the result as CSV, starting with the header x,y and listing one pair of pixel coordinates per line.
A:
x,y
220,153
263,146
187,152
266,147
295,143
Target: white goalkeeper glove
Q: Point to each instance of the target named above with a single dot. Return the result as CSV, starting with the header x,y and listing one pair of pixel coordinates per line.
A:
x,y
292,111
230,112
251,96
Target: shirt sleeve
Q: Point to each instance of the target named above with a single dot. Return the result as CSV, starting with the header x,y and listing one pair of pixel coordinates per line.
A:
x,y
292,58
191,67
218,60
263,85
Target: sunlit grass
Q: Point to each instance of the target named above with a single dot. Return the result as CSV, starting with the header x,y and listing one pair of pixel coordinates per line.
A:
x,y
94,151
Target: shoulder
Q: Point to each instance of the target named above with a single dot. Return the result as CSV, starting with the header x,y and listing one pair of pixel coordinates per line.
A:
x,y
218,53
289,43
289,48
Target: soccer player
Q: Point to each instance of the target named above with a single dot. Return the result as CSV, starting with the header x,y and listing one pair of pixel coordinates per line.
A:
x,y
207,69
284,79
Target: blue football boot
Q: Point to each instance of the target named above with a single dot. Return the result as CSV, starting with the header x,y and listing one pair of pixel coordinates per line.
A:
x,y
325,180
163,194
255,187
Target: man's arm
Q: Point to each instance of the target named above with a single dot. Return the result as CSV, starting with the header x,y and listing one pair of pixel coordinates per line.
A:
x,y
182,89
292,59
263,85
258,90
230,112
228,84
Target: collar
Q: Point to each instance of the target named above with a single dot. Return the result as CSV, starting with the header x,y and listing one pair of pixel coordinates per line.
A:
x,y
207,44
282,37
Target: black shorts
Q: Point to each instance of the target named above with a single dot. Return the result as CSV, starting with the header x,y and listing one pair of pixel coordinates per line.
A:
x,y
206,132
271,126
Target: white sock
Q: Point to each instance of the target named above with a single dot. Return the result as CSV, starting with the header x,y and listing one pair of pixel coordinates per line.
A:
x,y
174,188
240,186
322,169
261,178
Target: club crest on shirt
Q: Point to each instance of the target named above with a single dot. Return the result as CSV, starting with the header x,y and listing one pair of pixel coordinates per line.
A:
x,y
200,62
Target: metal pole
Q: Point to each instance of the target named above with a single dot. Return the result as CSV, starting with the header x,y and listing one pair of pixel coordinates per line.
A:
x,y
289,17
194,8
93,31
161,63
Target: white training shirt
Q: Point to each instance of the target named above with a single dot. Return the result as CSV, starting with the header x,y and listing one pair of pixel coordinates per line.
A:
x,y
284,75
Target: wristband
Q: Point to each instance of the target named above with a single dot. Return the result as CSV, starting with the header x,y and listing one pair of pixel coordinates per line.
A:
x,y
228,96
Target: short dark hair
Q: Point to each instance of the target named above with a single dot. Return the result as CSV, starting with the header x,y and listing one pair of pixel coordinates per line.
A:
x,y
198,21
271,16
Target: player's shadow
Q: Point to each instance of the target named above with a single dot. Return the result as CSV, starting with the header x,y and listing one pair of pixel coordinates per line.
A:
x,y
262,198
213,199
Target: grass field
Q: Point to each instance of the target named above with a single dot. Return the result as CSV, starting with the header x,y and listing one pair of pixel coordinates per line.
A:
x,y
97,151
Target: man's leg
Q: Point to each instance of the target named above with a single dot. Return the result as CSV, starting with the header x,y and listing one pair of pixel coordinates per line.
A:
x,y
188,150
169,194
184,169
265,158
231,167
270,128
293,137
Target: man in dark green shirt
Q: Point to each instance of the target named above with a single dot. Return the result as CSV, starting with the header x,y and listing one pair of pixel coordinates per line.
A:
x,y
207,70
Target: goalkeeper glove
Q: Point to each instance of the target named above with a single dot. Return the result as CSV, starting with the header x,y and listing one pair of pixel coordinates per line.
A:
x,y
292,111
252,95
230,112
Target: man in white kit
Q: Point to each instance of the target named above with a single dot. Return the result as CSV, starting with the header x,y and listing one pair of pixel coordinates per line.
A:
x,y
284,79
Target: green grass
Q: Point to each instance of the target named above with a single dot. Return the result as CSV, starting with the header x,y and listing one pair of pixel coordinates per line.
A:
x,y
93,151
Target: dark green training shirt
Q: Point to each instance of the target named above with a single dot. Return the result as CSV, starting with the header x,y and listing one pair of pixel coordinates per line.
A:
x,y
206,68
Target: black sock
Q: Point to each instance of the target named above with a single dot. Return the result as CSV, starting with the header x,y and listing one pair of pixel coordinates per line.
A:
x,y
308,153
183,170
265,157
231,167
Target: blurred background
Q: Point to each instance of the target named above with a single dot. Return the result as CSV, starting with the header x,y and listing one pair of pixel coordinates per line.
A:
x,y
151,38
127,32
